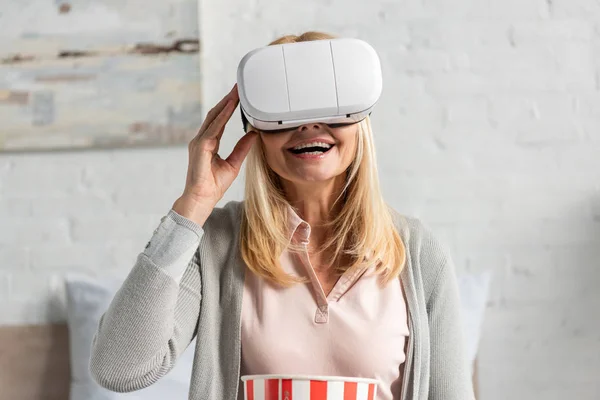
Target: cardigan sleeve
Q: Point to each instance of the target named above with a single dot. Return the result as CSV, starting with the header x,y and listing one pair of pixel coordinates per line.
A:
x,y
153,317
449,370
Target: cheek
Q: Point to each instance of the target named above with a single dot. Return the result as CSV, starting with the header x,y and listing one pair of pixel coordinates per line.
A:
x,y
275,140
348,150
273,151
270,145
349,139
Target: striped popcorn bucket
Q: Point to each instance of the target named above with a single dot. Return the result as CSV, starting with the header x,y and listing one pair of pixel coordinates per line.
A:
x,y
306,387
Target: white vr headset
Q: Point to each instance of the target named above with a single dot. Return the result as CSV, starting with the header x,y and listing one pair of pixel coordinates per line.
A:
x,y
331,81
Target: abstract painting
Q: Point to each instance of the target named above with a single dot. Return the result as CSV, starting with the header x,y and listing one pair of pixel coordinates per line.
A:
x,y
78,74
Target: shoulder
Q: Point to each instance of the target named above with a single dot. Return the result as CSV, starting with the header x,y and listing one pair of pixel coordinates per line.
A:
x,y
223,223
228,213
427,255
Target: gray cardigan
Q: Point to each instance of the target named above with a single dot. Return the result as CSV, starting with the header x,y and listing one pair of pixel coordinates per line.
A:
x,y
188,283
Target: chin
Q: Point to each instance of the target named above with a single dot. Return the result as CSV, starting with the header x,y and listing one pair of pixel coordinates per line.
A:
x,y
312,177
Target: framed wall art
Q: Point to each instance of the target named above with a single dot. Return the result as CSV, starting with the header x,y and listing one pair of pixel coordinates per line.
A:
x,y
83,74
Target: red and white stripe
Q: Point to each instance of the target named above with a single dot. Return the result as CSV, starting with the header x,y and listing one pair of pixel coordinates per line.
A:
x,y
293,389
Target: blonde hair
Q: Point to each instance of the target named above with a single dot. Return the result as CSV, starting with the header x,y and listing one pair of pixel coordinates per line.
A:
x,y
362,231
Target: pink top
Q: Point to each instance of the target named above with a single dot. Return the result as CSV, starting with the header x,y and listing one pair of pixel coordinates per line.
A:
x,y
358,330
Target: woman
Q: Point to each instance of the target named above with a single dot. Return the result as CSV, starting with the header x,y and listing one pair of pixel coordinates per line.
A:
x,y
311,274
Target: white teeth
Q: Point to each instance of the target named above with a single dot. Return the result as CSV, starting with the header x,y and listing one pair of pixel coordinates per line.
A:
x,y
313,144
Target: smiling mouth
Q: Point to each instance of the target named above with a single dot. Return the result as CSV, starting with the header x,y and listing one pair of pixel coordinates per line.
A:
x,y
315,150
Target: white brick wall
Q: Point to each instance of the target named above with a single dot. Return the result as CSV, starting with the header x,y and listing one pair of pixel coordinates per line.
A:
x,y
487,129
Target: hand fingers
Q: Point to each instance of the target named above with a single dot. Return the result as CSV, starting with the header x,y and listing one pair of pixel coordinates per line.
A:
x,y
216,110
241,149
216,128
219,106
220,133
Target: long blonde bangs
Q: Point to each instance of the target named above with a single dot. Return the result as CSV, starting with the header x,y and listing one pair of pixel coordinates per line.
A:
x,y
363,231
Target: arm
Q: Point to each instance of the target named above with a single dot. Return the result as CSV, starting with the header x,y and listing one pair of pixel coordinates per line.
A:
x,y
449,376
153,317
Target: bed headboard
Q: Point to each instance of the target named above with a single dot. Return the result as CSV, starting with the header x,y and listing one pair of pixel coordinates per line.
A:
x,y
34,362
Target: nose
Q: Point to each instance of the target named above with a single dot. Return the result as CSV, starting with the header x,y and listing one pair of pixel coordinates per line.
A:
x,y
310,125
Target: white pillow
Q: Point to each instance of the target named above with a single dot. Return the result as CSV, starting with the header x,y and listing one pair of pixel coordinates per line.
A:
x,y
473,292
87,299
